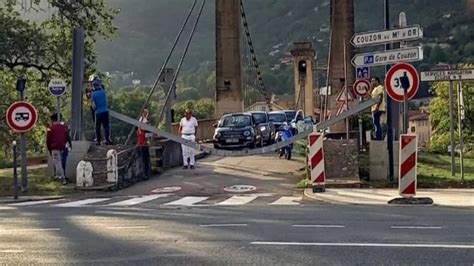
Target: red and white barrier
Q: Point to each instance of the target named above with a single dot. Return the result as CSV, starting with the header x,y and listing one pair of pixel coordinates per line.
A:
x,y
407,169
316,159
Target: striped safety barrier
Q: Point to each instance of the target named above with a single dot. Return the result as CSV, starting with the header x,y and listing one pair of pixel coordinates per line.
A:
x,y
407,168
316,160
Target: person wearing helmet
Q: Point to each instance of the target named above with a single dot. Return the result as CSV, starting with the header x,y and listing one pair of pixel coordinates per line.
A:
x,y
100,106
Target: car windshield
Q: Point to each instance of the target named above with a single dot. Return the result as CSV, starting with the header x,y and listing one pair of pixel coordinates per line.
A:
x,y
235,121
260,117
277,117
290,115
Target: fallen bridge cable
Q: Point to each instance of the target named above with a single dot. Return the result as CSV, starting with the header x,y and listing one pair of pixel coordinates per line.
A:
x,y
155,84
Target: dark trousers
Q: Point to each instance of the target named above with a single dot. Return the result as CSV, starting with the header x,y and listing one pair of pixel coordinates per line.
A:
x,y
378,126
102,119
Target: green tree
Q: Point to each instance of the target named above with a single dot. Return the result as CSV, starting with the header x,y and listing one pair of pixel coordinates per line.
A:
x,y
42,51
439,114
202,109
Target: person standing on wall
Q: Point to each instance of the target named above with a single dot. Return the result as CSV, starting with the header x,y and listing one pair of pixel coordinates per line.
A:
x,y
378,109
56,138
187,128
141,140
100,106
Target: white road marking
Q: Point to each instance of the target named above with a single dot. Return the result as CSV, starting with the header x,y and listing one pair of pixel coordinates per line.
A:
x,y
6,208
223,225
415,227
81,202
138,200
126,213
128,227
237,200
319,225
18,230
12,251
30,203
287,201
187,201
391,245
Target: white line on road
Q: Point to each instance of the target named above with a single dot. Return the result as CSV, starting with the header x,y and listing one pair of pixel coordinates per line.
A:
x,y
12,251
392,245
30,203
287,201
81,202
319,225
28,230
237,200
415,227
187,201
126,213
128,227
223,225
138,200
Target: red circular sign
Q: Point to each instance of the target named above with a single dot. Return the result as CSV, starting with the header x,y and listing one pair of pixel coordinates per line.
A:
x,y
21,116
361,87
395,78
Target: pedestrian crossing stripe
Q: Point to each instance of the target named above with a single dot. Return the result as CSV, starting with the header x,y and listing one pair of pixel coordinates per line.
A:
x,y
169,200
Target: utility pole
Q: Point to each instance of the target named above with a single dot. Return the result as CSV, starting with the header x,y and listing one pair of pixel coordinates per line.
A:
x,y
389,104
77,76
460,118
451,126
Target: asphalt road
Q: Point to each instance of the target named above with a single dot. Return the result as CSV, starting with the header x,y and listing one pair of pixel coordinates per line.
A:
x,y
310,234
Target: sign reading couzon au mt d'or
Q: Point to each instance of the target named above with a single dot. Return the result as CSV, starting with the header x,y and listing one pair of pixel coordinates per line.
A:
x,y
387,36
445,75
381,58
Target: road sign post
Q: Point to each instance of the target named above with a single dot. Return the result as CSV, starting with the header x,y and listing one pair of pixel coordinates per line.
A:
x,y
387,36
402,81
21,117
461,141
451,75
15,173
381,58
57,88
407,168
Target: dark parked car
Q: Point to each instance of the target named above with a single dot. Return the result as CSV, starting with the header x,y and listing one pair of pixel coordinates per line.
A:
x,y
266,128
277,118
237,131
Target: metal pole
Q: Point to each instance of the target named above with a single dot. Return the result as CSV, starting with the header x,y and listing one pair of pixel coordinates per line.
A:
x,y
15,173
59,108
24,161
345,86
461,140
405,111
389,105
451,126
77,76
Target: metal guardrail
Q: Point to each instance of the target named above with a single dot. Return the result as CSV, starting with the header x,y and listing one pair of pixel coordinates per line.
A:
x,y
321,126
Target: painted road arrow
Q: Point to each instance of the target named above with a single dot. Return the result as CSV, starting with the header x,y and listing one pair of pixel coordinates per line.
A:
x,y
388,57
387,36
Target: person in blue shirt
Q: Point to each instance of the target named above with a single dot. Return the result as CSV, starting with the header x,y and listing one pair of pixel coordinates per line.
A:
x,y
100,106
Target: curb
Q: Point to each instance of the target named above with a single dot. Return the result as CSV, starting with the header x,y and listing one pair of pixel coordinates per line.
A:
x,y
32,198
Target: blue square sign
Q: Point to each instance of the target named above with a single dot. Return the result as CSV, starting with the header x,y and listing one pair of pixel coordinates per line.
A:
x,y
363,73
368,59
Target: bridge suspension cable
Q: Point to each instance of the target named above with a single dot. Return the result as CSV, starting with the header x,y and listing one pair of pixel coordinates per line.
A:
x,y
181,60
155,84
262,88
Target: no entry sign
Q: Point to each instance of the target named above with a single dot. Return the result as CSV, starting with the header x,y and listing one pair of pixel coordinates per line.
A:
x,y
21,116
402,76
361,87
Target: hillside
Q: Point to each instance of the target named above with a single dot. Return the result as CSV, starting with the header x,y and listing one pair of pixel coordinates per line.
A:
x,y
148,27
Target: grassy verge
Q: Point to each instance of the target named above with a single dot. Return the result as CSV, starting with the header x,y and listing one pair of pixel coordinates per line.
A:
x,y
39,184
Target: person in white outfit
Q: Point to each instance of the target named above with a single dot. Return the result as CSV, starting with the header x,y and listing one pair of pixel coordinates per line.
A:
x,y
187,128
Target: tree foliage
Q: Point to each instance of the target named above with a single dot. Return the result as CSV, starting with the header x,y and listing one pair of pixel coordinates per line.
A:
x,y
439,114
43,50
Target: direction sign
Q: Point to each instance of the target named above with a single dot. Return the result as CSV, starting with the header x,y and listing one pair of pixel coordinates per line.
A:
x,y
388,57
446,75
361,87
387,36
341,97
21,116
400,76
362,72
57,87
